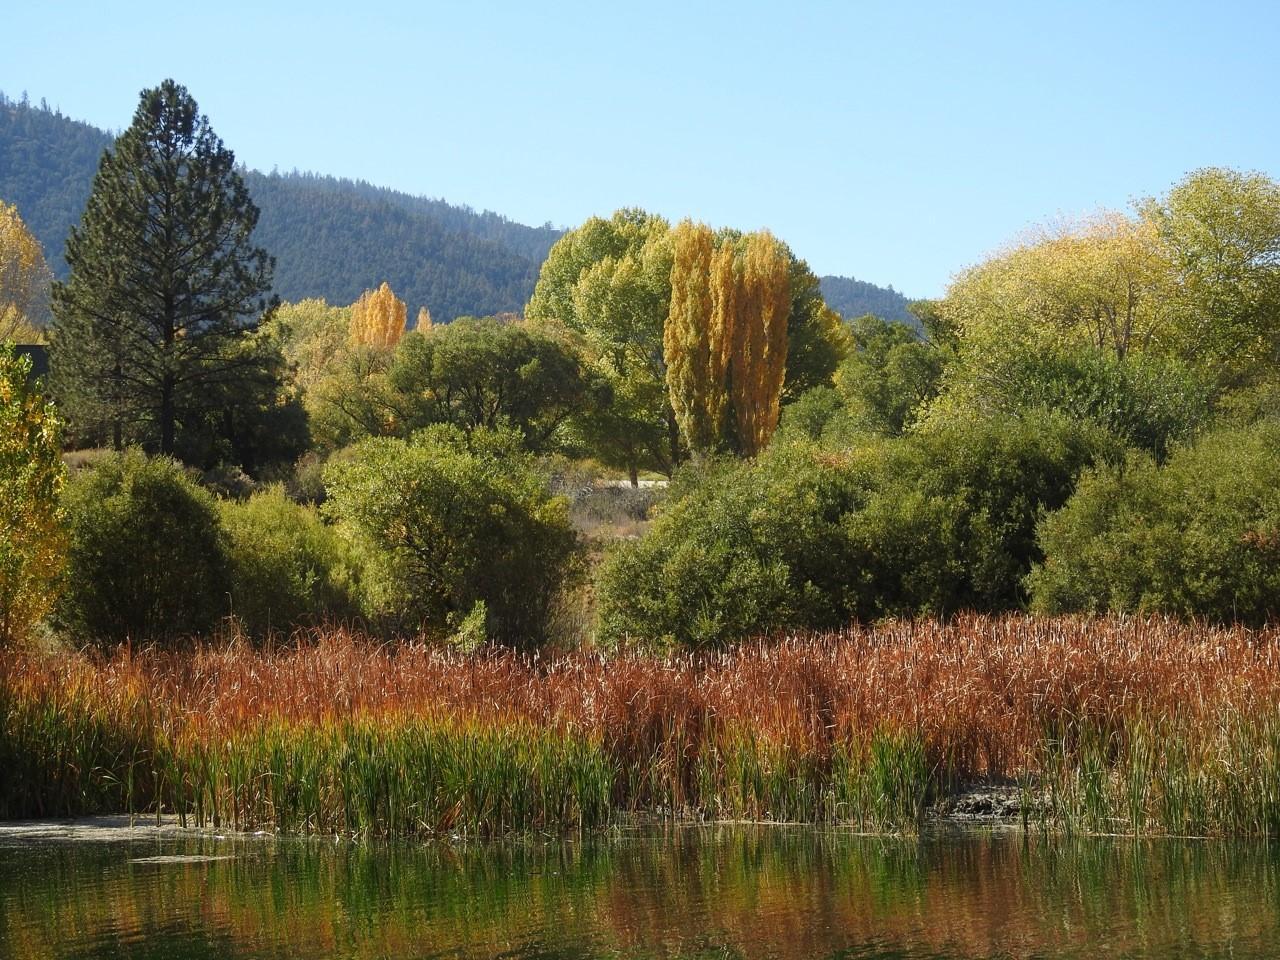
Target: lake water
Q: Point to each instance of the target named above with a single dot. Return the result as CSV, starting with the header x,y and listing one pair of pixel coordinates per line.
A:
x,y
683,892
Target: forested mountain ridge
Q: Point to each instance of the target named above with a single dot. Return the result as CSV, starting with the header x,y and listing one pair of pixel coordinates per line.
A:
x,y
855,298
332,238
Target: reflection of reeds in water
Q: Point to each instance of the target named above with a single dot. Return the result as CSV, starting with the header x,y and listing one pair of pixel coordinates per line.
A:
x,y
1111,725
754,891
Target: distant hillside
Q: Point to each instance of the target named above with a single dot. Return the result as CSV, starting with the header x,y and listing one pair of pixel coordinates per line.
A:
x,y
333,238
853,298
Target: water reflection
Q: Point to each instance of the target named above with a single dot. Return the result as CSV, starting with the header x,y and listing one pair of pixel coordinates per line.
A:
x,y
689,892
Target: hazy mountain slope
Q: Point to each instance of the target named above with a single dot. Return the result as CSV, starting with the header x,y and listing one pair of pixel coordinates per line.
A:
x,y
333,238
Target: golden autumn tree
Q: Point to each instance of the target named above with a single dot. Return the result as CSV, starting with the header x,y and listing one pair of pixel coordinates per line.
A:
x,y
424,319
378,318
761,302
694,340
24,277
726,337
32,541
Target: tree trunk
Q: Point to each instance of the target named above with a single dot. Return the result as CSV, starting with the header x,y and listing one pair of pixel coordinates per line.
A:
x,y
167,417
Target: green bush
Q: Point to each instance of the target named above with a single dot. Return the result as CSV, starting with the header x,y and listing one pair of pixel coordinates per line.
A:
x,y
445,520
147,558
288,567
1146,401
739,548
934,522
1197,537
951,522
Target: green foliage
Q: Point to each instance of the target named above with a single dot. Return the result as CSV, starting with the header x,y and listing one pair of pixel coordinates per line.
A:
x,y
1219,231
739,549
311,336
147,558
817,340
1197,537
934,522
1145,400
32,543
890,374
824,414
950,523
352,399
608,282
444,520
288,567
483,373
252,421
165,283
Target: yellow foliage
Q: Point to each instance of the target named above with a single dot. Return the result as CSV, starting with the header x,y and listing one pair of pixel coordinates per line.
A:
x,y
24,276
424,319
758,363
378,318
1103,282
693,339
32,541
726,337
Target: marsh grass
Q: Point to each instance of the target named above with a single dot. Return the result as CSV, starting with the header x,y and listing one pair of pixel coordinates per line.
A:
x,y
1109,726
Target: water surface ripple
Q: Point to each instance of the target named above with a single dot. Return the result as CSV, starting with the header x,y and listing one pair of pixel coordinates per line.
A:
x,y
705,892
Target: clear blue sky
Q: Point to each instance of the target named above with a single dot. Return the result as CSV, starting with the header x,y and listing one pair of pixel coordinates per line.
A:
x,y
895,142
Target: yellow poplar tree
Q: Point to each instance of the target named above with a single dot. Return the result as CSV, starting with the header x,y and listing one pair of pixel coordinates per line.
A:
x,y
693,339
32,541
761,304
24,276
378,318
725,340
424,319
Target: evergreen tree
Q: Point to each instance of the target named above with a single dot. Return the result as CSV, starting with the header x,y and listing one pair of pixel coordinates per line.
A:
x,y
165,282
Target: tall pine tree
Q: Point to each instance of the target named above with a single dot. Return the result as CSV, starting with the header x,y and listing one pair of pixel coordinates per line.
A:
x,y
165,283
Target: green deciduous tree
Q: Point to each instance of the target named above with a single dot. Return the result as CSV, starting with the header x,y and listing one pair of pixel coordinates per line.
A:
x,y
32,542
288,567
165,281
890,374
608,283
484,373
446,522
1218,230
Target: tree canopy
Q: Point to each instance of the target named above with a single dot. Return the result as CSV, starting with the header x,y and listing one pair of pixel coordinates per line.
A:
x,y
24,278
165,282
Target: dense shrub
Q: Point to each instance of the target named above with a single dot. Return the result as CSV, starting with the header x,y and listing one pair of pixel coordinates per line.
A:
x,y
147,559
1146,401
446,520
288,567
1197,537
935,522
951,522
740,548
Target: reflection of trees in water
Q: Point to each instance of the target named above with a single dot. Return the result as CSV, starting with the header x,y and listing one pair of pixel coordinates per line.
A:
x,y
786,892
